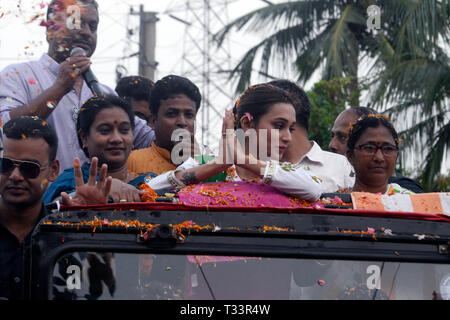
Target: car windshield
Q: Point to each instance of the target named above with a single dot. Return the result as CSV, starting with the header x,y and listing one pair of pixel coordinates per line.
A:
x,y
106,276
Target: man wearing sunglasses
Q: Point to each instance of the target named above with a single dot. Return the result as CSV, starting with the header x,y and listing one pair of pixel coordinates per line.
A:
x,y
27,166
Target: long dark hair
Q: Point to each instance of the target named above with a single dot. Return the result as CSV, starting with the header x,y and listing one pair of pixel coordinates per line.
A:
x,y
257,101
93,106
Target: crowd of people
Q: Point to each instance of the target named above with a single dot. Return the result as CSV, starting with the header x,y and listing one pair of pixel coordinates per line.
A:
x,y
63,143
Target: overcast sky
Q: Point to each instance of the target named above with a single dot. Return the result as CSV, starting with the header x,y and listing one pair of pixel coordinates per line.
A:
x,y
21,40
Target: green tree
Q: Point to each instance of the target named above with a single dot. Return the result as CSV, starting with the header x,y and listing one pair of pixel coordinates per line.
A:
x,y
414,86
327,35
328,99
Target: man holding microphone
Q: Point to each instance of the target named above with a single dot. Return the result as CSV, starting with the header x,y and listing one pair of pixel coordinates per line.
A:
x,y
55,86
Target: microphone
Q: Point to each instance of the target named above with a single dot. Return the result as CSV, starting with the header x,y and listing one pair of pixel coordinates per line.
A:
x,y
88,75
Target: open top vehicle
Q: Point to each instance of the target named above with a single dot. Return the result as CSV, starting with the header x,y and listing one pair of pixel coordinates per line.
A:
x,y
178,251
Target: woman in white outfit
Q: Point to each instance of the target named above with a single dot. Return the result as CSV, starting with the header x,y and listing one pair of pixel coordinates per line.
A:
x,y
268,113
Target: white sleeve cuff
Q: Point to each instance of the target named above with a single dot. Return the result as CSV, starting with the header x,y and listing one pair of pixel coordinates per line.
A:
x,y
269,172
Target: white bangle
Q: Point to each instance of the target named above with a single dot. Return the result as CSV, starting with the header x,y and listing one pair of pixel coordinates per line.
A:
x,y
269,172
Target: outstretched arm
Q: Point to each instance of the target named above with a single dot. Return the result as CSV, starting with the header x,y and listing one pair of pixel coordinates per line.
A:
x,y
294,180
190,172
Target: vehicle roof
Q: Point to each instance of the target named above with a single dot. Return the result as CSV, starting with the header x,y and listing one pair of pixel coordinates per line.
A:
x,y
324,211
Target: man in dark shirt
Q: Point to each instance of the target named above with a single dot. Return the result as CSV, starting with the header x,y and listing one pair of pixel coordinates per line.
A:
x,y
27,166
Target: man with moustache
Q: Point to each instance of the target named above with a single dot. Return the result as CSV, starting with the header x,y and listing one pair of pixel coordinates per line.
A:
x,y
174,104
53,88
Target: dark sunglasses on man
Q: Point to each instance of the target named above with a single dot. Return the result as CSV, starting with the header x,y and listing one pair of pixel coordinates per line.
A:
x,y
28,169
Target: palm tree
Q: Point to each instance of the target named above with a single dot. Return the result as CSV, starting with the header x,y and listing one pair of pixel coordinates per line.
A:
x,y
418,88
326,35
332,37
414,85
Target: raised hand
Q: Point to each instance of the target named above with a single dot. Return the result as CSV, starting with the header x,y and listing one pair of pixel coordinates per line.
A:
x,y
69,70
232,151
224,156
92,192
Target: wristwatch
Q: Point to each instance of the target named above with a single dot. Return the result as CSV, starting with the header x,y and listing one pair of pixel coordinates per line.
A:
x,y
51,104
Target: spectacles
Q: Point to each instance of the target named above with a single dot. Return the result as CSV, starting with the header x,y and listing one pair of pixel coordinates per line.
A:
x,y
28,169
371,149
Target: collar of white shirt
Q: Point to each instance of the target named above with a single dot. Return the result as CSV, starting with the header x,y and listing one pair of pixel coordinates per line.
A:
x,y
315,154
334,169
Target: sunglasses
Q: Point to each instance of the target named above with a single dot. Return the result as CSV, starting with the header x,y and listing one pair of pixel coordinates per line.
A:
x,y
28,169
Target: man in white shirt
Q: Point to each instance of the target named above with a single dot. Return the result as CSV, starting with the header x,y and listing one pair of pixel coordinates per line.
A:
x,y
334,169
52,88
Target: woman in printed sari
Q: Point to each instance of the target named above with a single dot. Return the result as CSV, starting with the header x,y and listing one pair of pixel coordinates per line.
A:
x,y
268,113
105,130
373,151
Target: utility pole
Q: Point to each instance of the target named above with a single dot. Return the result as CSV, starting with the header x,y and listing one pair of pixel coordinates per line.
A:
x,y
147,43
205,64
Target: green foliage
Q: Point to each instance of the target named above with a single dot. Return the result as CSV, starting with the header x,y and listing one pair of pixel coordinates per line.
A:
x,y
415,82
328,99
440,183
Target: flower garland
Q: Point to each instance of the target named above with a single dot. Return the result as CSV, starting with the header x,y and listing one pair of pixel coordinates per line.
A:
x,y
356,124
149,194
